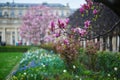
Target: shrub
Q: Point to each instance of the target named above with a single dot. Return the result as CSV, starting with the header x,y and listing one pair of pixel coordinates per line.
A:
x,y
90,54
69,52
48,46
105,65
92,48
109,64
14,48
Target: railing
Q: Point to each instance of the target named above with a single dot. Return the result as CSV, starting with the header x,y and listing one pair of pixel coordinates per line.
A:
x,y
4,20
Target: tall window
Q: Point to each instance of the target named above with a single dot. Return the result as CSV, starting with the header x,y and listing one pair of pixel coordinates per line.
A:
x,y
20,13
5,14
12,13
0,13
62,13
0,37
13,37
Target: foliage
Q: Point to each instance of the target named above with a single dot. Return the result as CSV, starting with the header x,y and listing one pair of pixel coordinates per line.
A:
x,y
39,64
48,46
14,48
43,64
92,47
7,62
104,65
109,64
68,52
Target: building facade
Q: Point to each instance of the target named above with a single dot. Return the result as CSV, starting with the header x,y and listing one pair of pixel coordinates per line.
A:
x,y
10,18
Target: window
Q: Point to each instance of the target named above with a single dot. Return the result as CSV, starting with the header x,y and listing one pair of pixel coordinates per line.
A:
x,y
62,14
0,36
0,13
12,13
20,13
5,14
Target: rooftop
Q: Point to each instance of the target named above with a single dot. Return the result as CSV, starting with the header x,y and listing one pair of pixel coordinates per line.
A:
x,y
30,4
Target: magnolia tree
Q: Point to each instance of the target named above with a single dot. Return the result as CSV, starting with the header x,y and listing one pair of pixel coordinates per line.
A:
x,y
35,24
60,27
69,43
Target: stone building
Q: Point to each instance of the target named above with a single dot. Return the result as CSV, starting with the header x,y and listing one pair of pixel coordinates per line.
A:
x,y
10,18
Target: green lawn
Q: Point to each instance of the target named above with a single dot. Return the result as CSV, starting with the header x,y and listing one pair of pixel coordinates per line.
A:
x,y
7,61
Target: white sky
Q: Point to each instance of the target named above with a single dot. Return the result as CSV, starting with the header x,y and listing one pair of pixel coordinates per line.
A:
x,y
72,3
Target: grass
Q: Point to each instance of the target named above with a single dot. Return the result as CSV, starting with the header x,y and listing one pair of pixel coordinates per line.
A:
x,y
7,61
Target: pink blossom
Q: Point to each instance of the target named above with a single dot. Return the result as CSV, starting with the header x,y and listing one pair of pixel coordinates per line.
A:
x,y
80,31
67,20
89,2
86,6
34,26
87,24
83,32
82,10
52,26
61,23
95,11
57,34
66,41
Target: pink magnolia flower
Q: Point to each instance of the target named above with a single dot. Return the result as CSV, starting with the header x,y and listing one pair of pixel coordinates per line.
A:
x,y
52,26
57,34
80,31
89,2
86,6
83,32
67,20
95,11
82,10
66,41
61,23
87,24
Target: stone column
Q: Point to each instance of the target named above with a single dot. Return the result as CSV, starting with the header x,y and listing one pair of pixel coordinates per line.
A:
x,y
84,43
108,45
101,44
114,43
95,40
11,38
3,35
117,44
16,36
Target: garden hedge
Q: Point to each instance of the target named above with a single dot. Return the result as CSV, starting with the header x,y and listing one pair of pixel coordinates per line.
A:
x,y
14,48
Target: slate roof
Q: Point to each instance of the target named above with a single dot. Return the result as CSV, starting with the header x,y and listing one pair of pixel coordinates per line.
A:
x,y
30,4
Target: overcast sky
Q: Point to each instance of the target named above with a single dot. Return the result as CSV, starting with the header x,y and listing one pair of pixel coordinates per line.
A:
x,y
72,3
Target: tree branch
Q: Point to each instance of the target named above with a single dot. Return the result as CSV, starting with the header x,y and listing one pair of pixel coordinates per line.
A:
x,y
113,27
